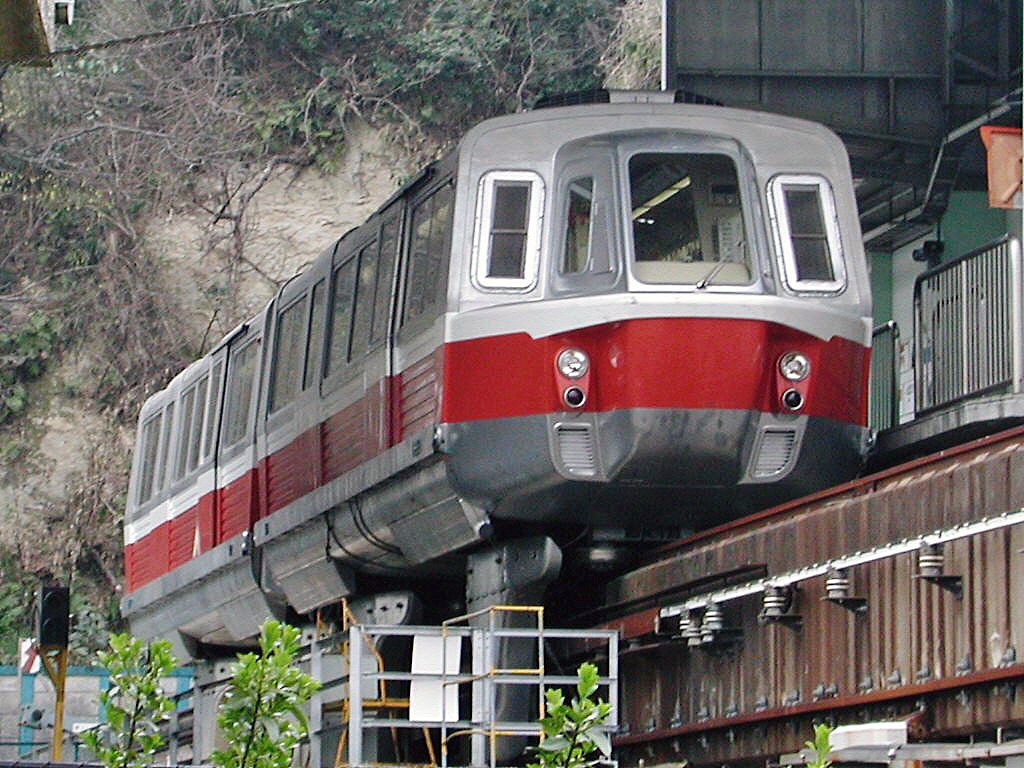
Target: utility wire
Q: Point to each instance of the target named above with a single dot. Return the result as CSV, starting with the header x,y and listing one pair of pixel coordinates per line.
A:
x,y
174,31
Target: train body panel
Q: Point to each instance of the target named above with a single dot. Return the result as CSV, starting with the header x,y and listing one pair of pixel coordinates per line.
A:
x,y
637,468
589,316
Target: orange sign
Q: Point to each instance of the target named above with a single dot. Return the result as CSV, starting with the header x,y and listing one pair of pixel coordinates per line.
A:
x,y
1004,146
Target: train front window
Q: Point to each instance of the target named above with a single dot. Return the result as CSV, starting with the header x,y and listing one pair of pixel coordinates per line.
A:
x,y
807,233
509,230
506,243
687,220
578,225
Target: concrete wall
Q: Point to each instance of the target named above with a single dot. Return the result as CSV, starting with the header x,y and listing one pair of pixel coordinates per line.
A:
x,y
880,268
82,691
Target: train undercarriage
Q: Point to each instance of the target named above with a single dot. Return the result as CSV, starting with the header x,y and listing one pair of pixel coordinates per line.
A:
x,y
896,597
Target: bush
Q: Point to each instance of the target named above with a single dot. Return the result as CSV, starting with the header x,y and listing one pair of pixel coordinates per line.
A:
x,y
261,716
135,704
572,732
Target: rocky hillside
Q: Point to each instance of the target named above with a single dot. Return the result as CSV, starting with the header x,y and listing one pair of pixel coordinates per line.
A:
x,y
154,194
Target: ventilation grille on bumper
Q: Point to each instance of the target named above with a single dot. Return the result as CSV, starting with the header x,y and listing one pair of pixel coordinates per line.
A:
x,y
576,449
775,452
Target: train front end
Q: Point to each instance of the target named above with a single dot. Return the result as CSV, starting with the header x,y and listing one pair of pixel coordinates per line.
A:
x,y
665,311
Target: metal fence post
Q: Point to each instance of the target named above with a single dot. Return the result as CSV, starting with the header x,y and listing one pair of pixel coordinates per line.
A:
x,y
316,705
884,400
1017,314
478,741
613,685
355,696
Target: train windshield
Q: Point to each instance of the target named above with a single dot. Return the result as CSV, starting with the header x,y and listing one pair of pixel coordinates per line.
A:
x,y
687,220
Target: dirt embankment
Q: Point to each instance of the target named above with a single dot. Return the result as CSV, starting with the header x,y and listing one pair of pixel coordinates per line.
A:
x,y
66,446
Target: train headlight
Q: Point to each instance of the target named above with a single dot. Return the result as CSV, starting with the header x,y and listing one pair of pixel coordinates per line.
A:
x,y
573,363
794,366
574,397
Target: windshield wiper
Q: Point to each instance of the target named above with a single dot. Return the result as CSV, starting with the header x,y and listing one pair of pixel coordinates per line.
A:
x,y
705,281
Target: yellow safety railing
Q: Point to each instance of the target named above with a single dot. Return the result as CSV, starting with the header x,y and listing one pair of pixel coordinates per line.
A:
x,y
383,701
494,661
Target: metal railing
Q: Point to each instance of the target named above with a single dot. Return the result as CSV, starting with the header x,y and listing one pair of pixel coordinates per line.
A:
x,y
479,674
884,395
968,337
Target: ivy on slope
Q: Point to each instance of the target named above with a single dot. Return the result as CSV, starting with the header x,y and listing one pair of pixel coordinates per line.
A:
x,y
431,68
98,147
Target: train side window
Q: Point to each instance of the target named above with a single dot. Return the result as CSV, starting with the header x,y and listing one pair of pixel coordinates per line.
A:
x,y
506,243
364,301
188,412
341,315
150,452
314,347
806,232
165,448
428,255
212,410
578,225
241,382
289,350
385,281
196,433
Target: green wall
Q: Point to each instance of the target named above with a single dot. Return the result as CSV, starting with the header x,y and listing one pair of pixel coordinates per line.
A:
x,y
969,223
881,286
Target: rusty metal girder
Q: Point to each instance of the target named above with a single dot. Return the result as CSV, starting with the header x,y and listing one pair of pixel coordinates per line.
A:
x,y
915,644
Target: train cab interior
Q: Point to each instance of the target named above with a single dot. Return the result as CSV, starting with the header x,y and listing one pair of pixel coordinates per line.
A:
x,y
687,222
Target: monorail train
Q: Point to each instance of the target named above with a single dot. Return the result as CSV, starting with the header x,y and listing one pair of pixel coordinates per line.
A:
x,y
599,317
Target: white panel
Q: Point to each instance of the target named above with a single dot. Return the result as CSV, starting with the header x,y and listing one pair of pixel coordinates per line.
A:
x,y
883,734
426,702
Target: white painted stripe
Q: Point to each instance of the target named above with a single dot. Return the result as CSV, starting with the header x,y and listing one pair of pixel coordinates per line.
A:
x,y
281,438
145,525
190,496
235,468
540,319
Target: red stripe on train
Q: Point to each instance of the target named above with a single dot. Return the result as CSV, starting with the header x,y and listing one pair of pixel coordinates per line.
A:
x,y
652,363
219,515
146,559
655,363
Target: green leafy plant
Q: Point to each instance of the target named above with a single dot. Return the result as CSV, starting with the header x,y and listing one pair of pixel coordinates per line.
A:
x,y
16,604
135,704
24,351
88,631
572,731
821,746
261,716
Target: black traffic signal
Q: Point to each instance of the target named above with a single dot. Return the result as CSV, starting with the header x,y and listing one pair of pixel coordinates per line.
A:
x,y
54,609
